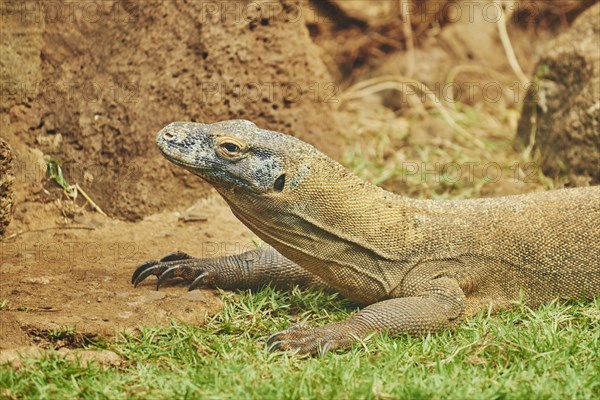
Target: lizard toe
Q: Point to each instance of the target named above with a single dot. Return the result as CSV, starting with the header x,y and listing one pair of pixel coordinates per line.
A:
x,y
138,271
198,281
155,269
297,338
169,273
274,346
176,256
272,340
304,345
173,265
327,347
277,336
311,341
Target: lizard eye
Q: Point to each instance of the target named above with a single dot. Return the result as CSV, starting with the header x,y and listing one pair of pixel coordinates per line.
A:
x,y
279,183
230,148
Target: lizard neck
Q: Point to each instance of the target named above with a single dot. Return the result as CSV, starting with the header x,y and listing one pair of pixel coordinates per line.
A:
x,y
338,226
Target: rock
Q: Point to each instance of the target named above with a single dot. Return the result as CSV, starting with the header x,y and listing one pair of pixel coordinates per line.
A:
x,y
122,315
105,358
38,280
373,13
561,115
195,295
7,178
13,357
152,296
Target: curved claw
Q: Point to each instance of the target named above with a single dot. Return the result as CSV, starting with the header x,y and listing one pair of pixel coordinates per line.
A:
x,y
274,346
326,348
176,256
169,273
301,339
279,345
276,335
272,338
138,271
197,282
144,274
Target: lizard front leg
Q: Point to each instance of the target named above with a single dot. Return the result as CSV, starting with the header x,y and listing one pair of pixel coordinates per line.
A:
x,y
249,270
439,304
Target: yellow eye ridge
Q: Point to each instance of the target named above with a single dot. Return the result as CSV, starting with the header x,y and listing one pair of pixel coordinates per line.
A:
x,y
229,147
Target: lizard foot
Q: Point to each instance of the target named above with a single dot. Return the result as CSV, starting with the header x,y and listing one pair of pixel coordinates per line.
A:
x,y
177,264
302,339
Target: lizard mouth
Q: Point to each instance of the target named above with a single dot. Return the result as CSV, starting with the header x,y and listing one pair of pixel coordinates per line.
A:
x,y
195,166
203,171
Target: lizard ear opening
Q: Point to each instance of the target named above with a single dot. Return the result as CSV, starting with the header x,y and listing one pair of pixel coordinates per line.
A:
x,y
279,183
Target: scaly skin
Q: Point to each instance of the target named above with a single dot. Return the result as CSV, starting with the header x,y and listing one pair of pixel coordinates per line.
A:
x,y
418,265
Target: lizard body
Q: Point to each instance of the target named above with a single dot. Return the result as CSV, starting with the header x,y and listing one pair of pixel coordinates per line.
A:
x,y
418,265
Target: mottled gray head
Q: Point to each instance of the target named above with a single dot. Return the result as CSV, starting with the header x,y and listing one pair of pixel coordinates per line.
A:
x,y
236,154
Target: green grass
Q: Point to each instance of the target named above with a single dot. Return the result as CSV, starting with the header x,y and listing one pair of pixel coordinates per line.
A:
x,y
56,174
551,352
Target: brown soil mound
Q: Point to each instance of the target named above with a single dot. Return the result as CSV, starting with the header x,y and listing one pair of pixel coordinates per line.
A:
x,y
106,86
561,118
7,177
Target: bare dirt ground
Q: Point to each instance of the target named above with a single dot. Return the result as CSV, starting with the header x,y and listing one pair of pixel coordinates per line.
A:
x,y
79,277
64,265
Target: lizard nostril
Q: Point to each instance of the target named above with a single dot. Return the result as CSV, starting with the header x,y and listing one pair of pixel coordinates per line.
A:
x,y
168,135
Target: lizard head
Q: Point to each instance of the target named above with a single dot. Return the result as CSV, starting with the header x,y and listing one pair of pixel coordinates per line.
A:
x,y
236,156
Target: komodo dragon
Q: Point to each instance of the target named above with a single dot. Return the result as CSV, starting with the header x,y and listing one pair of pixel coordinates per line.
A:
x,y
418,265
